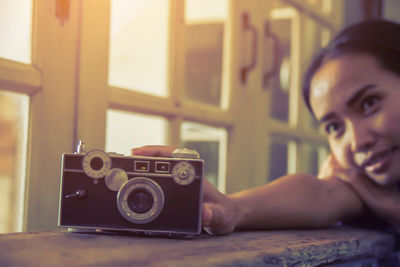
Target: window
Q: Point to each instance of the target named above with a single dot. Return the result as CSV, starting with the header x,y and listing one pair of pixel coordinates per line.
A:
x,y
166,66
205,28
314,156
299,30
130,73
13,151
211,143
126,130
15,53
139,46
16,17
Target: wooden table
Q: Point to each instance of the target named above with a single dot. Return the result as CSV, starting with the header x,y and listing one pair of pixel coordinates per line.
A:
x,y
251,248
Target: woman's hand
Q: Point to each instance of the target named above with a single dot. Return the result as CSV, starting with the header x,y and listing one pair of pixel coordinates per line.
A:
x,y
219,213
384,201
331,168
153,151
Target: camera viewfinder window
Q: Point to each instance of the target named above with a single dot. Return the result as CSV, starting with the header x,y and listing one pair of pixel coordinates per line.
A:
x,y
126,130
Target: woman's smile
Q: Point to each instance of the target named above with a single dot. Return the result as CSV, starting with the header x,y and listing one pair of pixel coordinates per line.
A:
x,y
379,162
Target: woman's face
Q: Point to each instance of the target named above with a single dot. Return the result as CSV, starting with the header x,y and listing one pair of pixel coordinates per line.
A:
x,y
357,103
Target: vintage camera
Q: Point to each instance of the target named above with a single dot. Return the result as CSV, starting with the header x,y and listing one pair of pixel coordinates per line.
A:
x,y
112,192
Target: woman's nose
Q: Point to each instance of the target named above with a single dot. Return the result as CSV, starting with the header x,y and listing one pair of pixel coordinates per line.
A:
x,y
361,139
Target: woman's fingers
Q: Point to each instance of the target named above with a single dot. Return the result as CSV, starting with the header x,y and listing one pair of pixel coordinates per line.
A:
x,y
153,151
210,193
328,167
217,218
218,212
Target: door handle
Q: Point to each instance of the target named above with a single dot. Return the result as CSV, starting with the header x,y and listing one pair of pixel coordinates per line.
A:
x,y
248,27
275,62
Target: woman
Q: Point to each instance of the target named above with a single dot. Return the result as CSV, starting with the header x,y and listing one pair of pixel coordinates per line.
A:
x,y
353,90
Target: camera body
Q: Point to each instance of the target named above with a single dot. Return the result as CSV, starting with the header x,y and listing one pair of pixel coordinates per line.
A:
x,y
112,192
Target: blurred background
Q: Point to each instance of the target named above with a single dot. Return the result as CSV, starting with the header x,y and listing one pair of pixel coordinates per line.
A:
x,y
219,76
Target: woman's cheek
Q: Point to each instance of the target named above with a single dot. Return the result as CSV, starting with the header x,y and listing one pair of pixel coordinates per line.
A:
x,y
387,126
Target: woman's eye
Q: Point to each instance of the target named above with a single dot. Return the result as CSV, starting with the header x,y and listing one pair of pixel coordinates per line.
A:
x,y
369,103
332,127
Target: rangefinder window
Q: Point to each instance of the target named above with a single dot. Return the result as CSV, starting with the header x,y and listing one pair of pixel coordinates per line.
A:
x,y
142,166
163,167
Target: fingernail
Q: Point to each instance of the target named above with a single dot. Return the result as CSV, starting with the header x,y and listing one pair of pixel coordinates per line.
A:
x,y
207,214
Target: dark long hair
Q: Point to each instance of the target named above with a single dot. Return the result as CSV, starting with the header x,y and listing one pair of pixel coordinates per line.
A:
x,y
378,38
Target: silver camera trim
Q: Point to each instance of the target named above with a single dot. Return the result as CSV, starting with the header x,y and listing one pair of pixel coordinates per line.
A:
x,y
153,188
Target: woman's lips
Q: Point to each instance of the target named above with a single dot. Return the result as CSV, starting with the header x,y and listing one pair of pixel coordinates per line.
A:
x,y
379,163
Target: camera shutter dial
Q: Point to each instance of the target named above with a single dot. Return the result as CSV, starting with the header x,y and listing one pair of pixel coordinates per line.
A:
x,y
140,200
96,164
183,173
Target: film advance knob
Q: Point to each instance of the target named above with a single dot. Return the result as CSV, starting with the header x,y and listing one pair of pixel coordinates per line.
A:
x,y
185,153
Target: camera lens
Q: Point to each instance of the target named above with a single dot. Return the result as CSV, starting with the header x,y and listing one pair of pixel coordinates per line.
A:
x,y
96,163
140,200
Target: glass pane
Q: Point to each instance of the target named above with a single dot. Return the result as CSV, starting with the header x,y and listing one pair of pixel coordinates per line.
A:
x,y
211,144
204,35
126,130
314,157
281,82
206,10
315,3
317,37
15,30
139,45
323,6
278,159
13,151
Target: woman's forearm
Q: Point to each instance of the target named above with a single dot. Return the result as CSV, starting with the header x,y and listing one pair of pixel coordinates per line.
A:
x,y
295,201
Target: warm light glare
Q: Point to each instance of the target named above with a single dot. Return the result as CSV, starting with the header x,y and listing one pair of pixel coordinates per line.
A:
x,y
139,46
126,130
15,30
205,10
14,114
